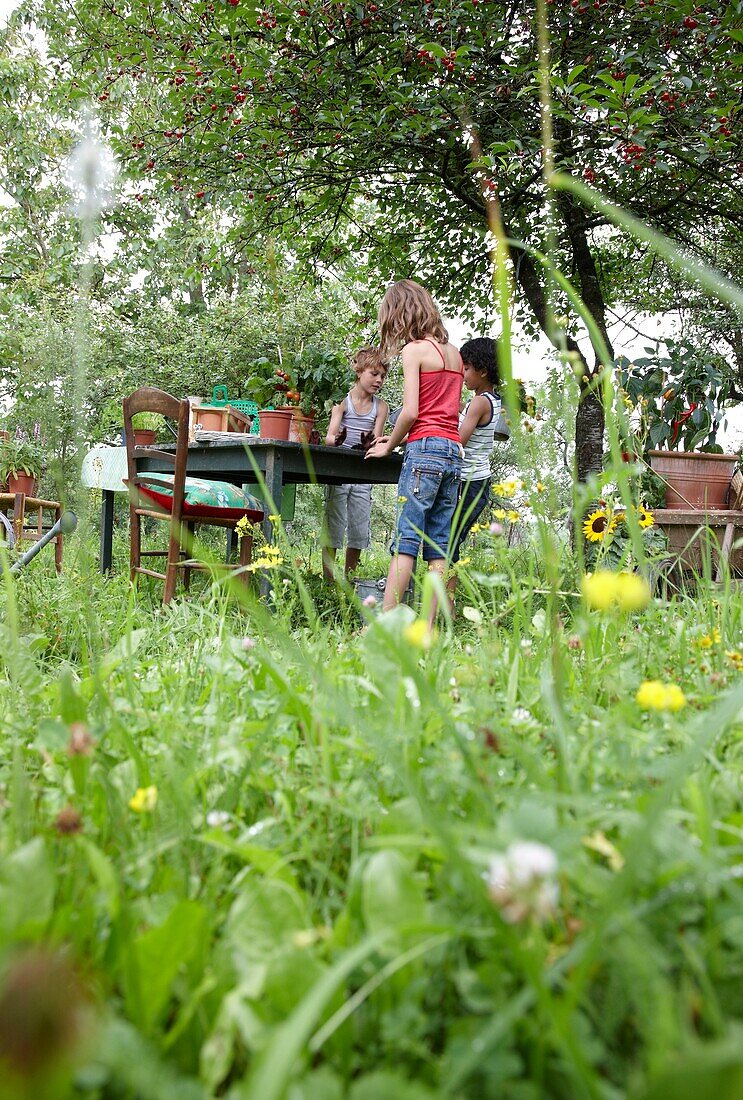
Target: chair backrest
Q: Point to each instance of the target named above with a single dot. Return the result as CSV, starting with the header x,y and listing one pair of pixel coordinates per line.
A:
x,y
150,399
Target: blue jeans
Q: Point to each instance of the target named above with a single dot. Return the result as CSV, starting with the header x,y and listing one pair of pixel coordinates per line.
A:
x,y
472,503
427,497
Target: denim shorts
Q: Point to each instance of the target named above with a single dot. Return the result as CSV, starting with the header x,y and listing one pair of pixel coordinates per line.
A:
x,y
472,503
427,495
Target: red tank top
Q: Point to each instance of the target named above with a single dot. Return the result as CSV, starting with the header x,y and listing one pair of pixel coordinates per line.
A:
x,y
438,403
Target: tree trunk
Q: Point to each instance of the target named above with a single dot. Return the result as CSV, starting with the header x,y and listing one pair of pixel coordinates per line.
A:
x,y
589,435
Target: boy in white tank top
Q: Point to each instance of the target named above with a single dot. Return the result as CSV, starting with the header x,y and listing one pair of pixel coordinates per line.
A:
x,y
480,425
354,422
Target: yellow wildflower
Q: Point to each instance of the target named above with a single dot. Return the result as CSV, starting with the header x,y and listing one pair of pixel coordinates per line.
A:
x,y
499,513
735,657
275,519
708,640
419,634
402,500
513,515
143,800
243,527
655,695
599,589
633,592
605,589
540,487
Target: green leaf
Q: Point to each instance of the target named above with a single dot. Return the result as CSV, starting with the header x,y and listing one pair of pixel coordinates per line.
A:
x,y
27,888
388,1085
265,918
391,898
710,1072
155,958
275,1065
104,874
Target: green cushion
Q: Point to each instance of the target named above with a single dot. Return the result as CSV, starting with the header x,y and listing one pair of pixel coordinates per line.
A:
x,y
202,498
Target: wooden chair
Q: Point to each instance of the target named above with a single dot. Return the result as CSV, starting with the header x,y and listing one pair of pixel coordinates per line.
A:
x,y
174,510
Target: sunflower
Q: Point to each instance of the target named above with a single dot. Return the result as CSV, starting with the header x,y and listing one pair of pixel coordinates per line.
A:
x,y
596,525
616,519
644,517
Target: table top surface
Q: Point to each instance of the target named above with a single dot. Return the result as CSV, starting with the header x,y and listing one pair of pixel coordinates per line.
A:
x,y
234,459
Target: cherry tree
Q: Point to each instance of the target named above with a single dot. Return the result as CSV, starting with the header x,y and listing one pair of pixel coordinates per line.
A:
x,y
379,130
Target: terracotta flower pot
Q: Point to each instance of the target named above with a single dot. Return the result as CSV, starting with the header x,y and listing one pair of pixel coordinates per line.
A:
x,y
694,479
301,426
144,437
22,483
275,423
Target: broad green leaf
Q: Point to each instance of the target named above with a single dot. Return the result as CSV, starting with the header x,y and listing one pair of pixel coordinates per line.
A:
x,y
27,888
391,898
155,958
265,918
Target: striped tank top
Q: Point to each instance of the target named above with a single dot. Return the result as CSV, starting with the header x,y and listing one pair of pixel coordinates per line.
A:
x,y
357,424
480,444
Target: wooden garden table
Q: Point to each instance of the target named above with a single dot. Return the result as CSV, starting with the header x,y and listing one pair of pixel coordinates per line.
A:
x,y
279,463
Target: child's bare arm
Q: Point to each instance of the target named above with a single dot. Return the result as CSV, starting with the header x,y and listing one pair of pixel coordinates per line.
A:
x,y
383,411
477,413
411,369
335,422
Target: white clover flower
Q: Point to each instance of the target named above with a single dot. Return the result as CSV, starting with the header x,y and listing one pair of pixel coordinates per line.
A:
x,y
215,819
522,882
370,601
521,716
248,643
496,528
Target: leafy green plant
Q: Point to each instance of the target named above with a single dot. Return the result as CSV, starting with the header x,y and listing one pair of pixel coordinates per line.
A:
x,y
322,378
267,384
20,456
681,397
314,380
147,421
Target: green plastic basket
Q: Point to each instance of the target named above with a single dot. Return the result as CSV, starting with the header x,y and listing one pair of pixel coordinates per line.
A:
x,y
250,408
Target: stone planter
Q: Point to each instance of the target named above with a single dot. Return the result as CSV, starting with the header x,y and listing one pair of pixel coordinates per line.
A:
x,y
694,479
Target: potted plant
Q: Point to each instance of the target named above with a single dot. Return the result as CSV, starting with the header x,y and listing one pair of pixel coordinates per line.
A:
x,y
269,386
20,465
320,379
145,426
681,399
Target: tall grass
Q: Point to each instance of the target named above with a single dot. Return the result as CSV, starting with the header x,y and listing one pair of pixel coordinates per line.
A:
x,y
304,910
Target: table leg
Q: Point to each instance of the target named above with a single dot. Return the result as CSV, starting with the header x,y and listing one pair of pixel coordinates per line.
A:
x,y
274,486
107,529
274,477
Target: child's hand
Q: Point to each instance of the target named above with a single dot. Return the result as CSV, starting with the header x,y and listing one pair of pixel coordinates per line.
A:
x,y
380,448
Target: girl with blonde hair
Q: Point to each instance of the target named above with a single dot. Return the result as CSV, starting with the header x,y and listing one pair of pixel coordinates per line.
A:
x,y
409,322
